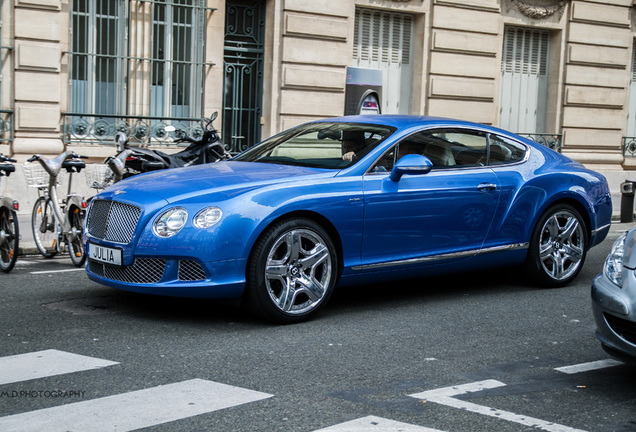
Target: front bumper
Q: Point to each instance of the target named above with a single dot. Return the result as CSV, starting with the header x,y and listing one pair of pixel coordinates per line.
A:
x,y
615,315
177,277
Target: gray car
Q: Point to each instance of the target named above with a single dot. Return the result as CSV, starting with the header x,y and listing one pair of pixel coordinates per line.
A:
x,y
614,299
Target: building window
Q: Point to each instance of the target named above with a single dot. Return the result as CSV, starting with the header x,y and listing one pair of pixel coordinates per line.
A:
x,y
631,108
142,58
6,115
97,56
384,40
524,82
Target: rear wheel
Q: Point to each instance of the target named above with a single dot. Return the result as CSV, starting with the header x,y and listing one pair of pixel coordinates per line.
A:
x,y
44,228
76,246
9,237
558,246
292,271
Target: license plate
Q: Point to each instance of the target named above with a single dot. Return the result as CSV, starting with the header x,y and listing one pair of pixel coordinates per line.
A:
x,y
105,254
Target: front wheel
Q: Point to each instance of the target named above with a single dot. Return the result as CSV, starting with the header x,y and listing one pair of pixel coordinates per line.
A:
x,y
75,238
558,246
44,228
9,237
292,271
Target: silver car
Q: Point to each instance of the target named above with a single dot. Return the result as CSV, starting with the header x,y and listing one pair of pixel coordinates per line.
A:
x,y
614,299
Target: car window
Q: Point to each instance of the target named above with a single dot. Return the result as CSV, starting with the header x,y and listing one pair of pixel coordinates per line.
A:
x,y
320,145
469,148
505,151
446,148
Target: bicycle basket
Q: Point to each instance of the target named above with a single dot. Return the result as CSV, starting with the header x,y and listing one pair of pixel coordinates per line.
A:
x,y
99,176
35,175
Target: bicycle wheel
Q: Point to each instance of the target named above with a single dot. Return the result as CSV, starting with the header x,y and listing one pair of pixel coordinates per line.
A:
x,y
44,228
76,247
9,237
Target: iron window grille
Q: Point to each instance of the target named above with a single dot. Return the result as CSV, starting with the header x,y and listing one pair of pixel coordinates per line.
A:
x,y
135,66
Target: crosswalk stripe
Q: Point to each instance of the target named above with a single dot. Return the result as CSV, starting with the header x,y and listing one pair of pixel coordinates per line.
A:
x,y
373,423
134,410
590,366
46,363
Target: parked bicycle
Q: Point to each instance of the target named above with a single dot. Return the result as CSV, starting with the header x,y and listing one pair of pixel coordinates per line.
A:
x,y
56,223
9,230
100,176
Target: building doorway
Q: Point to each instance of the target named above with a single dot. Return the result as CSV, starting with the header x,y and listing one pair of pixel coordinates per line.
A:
x,y
243,79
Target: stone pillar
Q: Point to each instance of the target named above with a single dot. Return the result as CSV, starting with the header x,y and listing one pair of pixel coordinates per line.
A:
x,y
38,87
597,68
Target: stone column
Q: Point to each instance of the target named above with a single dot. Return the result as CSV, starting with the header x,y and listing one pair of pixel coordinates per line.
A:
x,y
38,87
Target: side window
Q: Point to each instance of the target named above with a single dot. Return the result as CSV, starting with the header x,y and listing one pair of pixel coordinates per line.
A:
x,y
503,151
386,162
467,148
446,148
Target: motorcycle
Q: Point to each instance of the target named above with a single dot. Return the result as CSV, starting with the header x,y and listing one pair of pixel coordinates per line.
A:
x,y
136,160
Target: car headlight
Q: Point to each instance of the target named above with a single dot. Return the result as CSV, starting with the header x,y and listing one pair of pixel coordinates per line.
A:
x,y
170,222
613,267
207,217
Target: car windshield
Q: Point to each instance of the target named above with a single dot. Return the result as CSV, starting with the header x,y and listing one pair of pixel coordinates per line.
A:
x,y
319,145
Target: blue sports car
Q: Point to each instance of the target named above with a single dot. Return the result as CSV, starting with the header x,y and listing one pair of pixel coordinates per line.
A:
x,y
345,201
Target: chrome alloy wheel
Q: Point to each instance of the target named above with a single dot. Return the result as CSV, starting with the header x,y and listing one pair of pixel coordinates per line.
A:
x,y
298,271
561,245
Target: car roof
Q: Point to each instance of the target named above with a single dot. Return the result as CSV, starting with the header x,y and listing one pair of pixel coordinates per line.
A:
x,y
403,120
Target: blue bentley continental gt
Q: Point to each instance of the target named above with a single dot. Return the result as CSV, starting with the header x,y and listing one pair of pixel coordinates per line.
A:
x,y
346,201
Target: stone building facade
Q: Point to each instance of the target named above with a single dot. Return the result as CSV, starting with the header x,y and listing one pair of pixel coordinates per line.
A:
x,y
556,68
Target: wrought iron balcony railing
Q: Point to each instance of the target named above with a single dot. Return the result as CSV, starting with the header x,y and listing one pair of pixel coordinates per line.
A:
x,y
629,146
553,141
6,125
101,129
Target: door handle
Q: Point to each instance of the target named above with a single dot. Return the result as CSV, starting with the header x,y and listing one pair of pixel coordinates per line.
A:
x,y
487,187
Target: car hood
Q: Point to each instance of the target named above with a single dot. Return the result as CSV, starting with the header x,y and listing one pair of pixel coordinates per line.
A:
x,y
230,177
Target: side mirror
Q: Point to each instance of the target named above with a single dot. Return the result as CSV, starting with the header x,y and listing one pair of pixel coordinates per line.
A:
x,y
411,164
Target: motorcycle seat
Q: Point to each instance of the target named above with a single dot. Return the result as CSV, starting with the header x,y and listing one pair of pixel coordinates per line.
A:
x,y
152,166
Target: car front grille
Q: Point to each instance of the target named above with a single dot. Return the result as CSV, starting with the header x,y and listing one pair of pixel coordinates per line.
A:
x,y
190,271
112,220
624,328
143,271
146,271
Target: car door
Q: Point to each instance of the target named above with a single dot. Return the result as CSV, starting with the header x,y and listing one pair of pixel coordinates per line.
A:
x,y
424,218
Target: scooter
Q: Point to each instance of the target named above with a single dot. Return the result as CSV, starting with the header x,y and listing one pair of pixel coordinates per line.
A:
x,y
207,149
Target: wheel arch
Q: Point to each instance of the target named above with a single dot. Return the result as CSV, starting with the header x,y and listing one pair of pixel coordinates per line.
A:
x,y
577,205
321,220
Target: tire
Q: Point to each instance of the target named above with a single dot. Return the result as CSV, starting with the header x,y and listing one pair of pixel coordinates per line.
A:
x,y
291,272
75,239
9,239
44,228
558,247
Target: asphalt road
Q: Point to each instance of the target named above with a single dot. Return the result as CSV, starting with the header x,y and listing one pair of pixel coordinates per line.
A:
x,y
471,352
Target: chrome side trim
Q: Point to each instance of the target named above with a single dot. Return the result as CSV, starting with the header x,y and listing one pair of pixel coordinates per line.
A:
x,y
454,255
604,227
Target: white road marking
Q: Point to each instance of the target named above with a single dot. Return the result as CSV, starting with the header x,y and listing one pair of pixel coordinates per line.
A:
x,y
373,423
134,410
445,396
57,271
46,363
585,367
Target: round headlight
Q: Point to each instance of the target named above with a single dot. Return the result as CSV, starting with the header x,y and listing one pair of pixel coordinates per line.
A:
x,y
170,222
207,217
613,267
